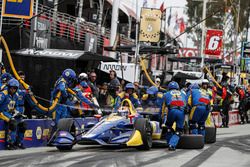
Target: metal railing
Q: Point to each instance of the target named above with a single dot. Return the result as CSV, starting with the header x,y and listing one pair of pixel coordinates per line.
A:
x,y
66,26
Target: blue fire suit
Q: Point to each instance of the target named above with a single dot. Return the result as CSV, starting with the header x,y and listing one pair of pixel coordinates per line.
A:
x,y
175,101
199,102
8,106
61,110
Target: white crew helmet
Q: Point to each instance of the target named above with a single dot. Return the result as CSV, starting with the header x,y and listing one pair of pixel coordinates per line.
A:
x,y
83,76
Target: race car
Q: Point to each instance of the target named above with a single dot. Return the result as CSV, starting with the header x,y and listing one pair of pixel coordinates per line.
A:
x,y
127,127
123,128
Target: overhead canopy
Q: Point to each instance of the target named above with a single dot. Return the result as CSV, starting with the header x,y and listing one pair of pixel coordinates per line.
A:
x,y
143,49
64,54
185,74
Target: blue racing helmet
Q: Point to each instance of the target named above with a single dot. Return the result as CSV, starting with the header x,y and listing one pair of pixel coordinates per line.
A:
x,y
194,86
69,75
129,86
6,77
13,83
173,85
152,90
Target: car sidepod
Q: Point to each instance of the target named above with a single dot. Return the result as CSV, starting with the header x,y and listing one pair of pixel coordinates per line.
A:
x,y
110,131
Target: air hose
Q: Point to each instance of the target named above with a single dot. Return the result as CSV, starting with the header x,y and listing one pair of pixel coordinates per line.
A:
x,y
27,87
211,75
146,73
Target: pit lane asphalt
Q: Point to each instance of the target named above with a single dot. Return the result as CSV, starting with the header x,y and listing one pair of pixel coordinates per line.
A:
x,y
231,149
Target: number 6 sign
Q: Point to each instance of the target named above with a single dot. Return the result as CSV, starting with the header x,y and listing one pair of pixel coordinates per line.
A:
x,y
213,42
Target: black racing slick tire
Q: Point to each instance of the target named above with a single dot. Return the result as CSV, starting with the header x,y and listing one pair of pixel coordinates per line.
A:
x,y
143,125
64,148
210,135
189,141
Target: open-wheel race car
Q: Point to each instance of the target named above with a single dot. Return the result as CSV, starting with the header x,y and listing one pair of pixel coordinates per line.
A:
x,y
128,127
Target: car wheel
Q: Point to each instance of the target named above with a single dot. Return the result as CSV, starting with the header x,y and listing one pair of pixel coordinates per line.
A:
x,y
210,135
143,125
64,148
189,141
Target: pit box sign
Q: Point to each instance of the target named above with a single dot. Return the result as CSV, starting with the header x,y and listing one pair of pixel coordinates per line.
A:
x,y
150,25
18,8
213,42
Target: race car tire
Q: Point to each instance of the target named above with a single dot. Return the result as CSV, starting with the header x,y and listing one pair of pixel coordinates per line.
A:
x,y
189,141
143,125
210,135
64,148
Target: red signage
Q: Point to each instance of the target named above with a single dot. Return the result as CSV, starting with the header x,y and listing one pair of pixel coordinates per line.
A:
x,y
188,52
106,42
213,42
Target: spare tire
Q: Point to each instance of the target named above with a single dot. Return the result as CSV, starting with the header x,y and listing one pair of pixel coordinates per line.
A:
x,y
143,125
189,141
210,135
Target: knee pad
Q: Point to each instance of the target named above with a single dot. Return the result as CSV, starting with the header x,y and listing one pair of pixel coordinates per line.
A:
x,y
22,126
12,125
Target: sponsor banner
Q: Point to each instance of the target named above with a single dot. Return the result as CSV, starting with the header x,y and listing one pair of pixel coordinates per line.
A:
x,y
43,34
38,131
2,134
150,25
106,42
33,136
216,118
90,43
52,53
213,42
18,8
127,68
234,117
188,52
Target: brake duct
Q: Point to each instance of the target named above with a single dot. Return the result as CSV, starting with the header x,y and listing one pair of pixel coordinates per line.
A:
x,y
32,99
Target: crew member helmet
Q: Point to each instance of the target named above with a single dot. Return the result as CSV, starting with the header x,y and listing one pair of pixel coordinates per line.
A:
x,y
129,86
173,85
69,75
13,83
